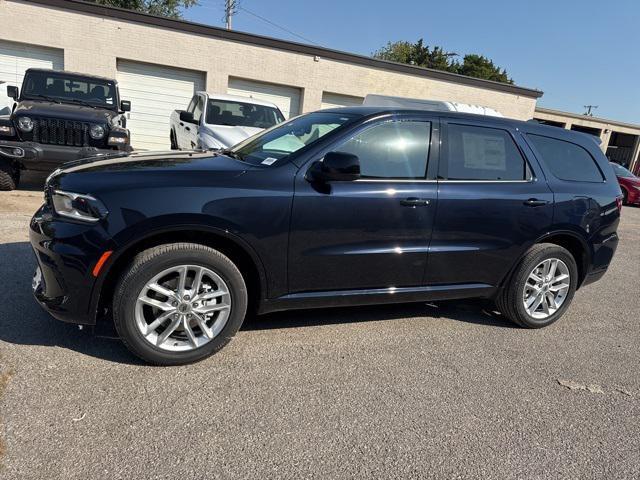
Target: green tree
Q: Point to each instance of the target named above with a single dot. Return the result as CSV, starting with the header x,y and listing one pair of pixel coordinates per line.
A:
x,y
164,8
416,54
440,59
480,66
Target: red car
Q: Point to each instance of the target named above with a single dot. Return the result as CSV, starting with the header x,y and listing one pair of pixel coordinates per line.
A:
x,y
629,183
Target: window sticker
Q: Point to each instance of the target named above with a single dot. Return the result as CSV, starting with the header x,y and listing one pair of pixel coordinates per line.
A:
x,y
484,152
269,161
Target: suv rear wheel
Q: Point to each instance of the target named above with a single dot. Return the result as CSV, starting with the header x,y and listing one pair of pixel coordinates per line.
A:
x,y
542,287
179,303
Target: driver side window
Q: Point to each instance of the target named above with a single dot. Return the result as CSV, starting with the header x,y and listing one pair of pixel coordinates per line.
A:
x,y
197,111
192,104
393,149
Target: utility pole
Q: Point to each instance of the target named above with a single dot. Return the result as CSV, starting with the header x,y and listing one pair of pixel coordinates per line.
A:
x,y
589,108
230,9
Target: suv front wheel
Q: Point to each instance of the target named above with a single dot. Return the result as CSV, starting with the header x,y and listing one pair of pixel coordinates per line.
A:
x,y
541,288
179,303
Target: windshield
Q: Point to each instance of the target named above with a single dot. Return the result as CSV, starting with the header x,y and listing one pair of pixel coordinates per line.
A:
x,y
60,87
283,140
621,171
240,114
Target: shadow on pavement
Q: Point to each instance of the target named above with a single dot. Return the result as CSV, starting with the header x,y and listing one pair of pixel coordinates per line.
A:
x,y
469,311
23,322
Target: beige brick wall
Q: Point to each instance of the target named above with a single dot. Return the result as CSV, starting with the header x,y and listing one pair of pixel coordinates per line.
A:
x,y
92,44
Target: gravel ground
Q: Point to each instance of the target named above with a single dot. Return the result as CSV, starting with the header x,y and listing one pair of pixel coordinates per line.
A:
x,y
444,390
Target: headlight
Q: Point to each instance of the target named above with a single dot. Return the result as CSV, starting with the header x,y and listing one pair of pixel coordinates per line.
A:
x,y
25,124
77,206
96,132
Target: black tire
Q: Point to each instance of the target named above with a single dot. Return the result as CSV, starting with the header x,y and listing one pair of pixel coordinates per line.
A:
x,y
8,178
510,303
153,261
625,197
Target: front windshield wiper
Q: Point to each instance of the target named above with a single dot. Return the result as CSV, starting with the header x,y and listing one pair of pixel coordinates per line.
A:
x,y
46,97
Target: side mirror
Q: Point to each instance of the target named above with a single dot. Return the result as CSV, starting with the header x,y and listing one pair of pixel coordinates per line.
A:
x,y
125,105
12,92
336,166
186,116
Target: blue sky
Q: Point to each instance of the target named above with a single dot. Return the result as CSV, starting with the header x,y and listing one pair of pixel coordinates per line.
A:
x,y
577,52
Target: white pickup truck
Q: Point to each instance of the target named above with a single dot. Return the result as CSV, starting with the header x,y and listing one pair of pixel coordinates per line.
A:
x,y
213,121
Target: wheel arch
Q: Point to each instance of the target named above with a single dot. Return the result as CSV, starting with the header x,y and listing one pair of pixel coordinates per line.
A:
x,y
571,241
230,245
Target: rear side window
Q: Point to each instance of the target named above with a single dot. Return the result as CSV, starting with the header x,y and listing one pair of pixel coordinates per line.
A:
x,y
482,153
566,160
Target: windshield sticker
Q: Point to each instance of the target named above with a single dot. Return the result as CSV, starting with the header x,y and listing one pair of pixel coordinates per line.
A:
x,y
269,161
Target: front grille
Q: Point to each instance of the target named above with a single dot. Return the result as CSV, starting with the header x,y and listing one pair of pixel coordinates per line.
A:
x,y
53,131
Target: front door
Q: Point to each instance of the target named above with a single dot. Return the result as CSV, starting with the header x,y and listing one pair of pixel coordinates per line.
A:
x,y
373,232
493,202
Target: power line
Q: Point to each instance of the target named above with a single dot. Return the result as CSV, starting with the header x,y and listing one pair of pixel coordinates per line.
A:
x,y
276,25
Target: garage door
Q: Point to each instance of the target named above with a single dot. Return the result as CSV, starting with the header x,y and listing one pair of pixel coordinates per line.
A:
x,y
15,58
154,92
334,100
286,98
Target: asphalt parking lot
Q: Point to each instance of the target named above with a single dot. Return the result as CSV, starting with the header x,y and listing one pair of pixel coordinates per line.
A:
x,y
446,390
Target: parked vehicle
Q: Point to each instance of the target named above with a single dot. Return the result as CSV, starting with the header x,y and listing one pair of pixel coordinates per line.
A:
x,y
220,121
60,116
629,183
373,100
346,206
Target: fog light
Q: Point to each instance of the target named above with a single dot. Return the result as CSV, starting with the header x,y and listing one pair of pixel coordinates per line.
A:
x,y
18,152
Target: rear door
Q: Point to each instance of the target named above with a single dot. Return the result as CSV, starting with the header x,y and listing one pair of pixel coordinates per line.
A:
x,y
493,203
373,232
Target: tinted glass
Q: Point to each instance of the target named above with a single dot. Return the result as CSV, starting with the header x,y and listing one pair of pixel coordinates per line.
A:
x,y
481,153
222,112
392,149
284,139
566,160
69,89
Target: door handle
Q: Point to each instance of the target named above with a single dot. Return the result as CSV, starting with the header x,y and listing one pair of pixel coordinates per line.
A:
x,y
187,129
415,202
534,202
181,124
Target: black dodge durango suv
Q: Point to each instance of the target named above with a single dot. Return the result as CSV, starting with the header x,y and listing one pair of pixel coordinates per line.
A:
x,y
346,206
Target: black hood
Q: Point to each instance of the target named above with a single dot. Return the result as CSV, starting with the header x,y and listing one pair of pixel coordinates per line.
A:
x,y
66,111
146,169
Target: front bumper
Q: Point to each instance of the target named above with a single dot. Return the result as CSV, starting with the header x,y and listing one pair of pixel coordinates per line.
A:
x,y
33,152
66,253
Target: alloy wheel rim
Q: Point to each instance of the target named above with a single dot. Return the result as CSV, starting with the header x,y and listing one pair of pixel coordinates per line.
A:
x,y
183,308
546,288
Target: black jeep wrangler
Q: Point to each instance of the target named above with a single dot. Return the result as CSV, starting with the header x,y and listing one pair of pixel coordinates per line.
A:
x,y
60,116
